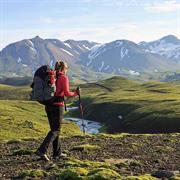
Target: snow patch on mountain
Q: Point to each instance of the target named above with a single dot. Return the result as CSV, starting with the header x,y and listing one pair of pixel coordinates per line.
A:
x,y
95,47
34,50
25,65
30,43
66,52
119,43
134,72
107,67
19,60
31,46
101,48
88,63
80,47
124,52
163,48
68,45
86,47
96,50
76,52
101,67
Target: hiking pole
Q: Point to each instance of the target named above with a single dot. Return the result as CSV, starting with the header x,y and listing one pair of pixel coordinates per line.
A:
x,y
81,110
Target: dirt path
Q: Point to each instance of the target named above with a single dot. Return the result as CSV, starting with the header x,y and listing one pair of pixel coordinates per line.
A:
x,y
144,154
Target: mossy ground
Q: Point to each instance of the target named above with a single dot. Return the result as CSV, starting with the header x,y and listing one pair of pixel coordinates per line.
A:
x,y
121,156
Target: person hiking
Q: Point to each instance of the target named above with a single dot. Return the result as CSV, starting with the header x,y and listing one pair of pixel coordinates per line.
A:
x,y
55,113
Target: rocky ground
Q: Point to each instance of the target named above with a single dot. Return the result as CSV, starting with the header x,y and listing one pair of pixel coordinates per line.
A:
x,y
127,155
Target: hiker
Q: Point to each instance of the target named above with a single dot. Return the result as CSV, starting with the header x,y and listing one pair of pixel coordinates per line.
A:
x,y
55,113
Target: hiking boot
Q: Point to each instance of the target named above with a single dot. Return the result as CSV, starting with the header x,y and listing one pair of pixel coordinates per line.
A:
x,y
61,156
42,156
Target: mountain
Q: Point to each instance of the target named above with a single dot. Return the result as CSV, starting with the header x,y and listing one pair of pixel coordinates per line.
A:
x,y
90,60
29,54
125,57
175,77
24,57
168,46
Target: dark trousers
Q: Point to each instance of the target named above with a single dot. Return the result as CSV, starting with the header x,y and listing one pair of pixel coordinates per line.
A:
x,y
55,117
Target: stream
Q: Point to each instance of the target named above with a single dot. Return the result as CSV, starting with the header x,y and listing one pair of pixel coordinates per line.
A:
x,y
90,126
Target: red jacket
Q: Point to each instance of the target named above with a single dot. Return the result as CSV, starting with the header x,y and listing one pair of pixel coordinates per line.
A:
x,y
62,88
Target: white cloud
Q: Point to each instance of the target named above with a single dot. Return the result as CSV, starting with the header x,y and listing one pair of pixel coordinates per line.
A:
x,y
167,6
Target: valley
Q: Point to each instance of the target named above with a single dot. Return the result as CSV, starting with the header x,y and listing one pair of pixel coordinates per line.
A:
x,y
139,138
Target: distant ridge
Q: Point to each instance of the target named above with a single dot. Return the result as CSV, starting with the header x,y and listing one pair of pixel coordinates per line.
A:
x,y
91,59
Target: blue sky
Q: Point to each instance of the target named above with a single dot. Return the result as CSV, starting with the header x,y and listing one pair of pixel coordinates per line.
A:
x,y
94,20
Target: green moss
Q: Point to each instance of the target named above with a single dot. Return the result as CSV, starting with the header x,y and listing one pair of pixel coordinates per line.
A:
x,y
143,177
120,163
73,174
35,173
103,174
88,164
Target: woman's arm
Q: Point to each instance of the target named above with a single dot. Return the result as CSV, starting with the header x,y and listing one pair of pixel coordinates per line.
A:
x,y
66,88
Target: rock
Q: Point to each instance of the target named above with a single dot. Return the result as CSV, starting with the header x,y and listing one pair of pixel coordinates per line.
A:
x,y
163,174
120,117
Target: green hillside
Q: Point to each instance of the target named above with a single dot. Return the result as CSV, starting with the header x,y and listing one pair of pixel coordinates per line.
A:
x,y
24,120
123,105
145,108
14,92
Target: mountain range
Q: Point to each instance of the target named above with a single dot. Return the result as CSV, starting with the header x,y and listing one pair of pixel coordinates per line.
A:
x,y
90,59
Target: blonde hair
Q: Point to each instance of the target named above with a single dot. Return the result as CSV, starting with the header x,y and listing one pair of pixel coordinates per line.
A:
x,y
60,65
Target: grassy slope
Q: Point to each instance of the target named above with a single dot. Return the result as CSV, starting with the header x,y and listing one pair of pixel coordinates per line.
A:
x,y
21,119
14,92
150,107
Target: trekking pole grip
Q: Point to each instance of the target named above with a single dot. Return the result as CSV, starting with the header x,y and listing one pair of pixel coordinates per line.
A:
x,y
78,90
